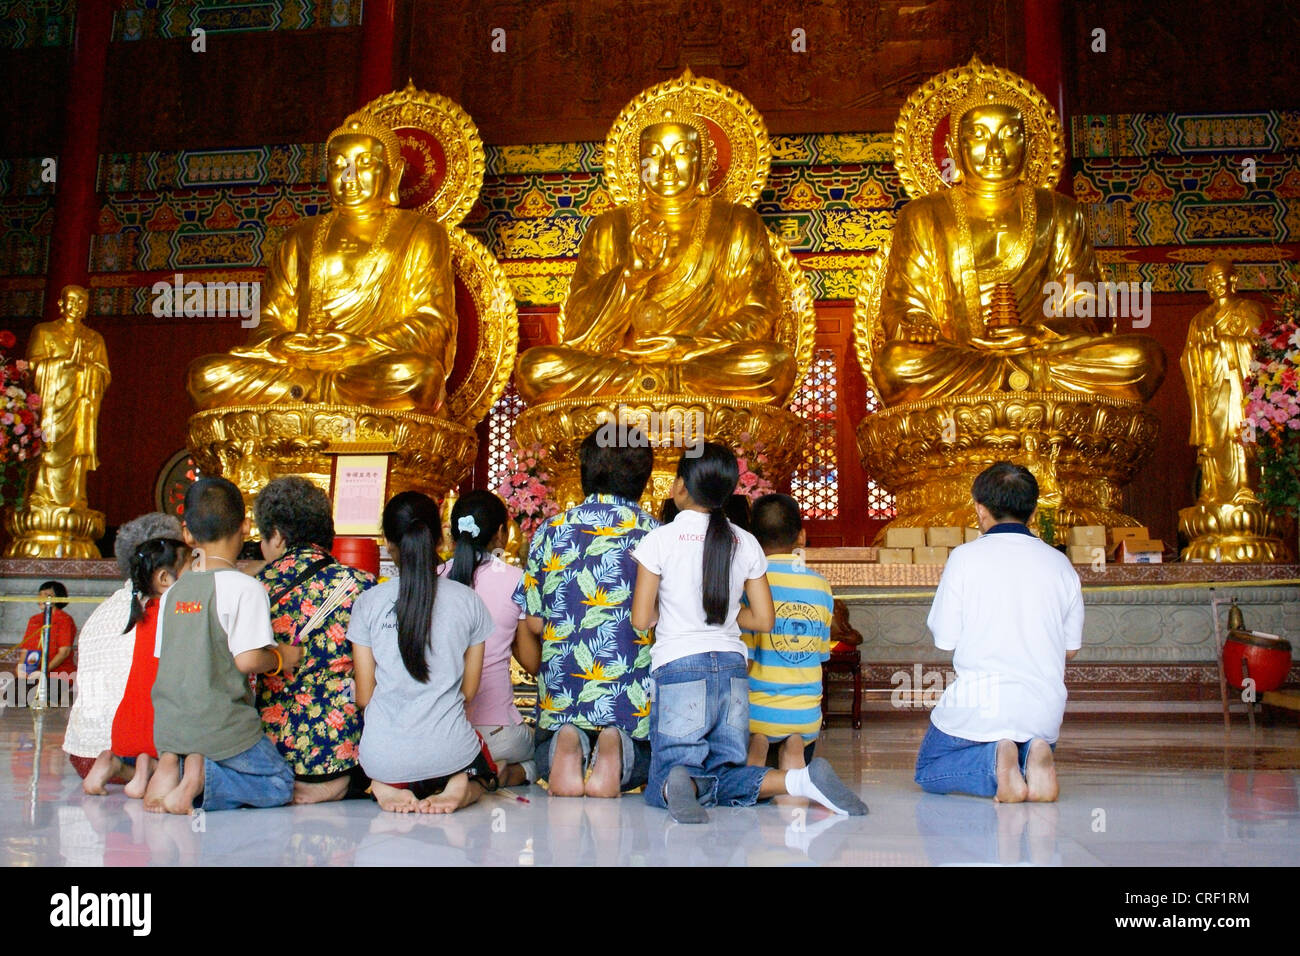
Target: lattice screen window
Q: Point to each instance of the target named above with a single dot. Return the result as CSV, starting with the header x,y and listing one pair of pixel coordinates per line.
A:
x,y
815,484
880,503
501,427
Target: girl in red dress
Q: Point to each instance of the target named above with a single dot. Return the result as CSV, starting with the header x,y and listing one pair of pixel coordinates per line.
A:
x,y
155,566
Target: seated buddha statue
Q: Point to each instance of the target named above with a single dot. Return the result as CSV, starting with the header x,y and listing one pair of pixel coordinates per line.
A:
x,y
967,304
358,303
674,293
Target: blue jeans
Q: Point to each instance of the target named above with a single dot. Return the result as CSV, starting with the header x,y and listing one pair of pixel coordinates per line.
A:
x,y
259,777
700,720
947,764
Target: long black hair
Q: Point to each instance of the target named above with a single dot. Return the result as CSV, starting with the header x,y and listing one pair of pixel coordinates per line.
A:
x,y
486,515
412,524
146,560
710,479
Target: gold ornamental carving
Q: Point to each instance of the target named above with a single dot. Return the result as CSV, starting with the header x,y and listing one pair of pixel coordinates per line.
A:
x,y
665,420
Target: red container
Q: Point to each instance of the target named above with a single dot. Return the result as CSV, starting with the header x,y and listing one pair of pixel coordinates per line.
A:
x,y
360,553
1267,660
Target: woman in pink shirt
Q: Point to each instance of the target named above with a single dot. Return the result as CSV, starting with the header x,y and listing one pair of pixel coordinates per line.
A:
x,y
478,531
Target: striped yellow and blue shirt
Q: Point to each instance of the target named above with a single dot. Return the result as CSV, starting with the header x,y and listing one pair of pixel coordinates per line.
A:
x,y
785,678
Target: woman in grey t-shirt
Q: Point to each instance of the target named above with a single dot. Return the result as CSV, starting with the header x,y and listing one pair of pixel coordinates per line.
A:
x,y
417,650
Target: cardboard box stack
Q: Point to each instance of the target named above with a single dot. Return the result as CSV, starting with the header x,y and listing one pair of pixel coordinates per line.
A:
x,y
971,534
1085,544
1135,546
929,555
943,538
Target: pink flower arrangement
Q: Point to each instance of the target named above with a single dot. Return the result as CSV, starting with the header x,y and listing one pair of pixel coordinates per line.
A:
x,y
526,489
20,424
1273,400
751,456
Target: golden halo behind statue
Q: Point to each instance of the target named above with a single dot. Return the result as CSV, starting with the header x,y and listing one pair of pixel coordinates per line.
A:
x,y
741,149
919,133
443,152
492,300
868,333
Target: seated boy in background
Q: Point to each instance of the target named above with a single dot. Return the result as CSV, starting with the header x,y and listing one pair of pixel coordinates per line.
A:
x,y
785,666
214,629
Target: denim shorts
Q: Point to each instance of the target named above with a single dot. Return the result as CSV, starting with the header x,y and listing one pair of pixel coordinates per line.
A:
x,y
258,777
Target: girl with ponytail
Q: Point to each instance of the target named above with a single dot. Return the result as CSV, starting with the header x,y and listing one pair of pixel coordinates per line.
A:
x,y
155,566
692,577
417,653
478,532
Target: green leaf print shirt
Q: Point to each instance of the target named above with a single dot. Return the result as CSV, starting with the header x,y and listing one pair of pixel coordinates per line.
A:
x,y
579,579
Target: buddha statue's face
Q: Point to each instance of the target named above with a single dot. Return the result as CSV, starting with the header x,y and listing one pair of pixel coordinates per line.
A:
x,y
359,172
991,144
1219,280
670,160
73,302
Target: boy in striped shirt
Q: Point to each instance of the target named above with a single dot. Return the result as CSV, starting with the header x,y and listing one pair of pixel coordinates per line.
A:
x,y
785,666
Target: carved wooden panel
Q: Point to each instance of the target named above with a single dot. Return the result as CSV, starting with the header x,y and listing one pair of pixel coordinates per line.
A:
x,y
569,66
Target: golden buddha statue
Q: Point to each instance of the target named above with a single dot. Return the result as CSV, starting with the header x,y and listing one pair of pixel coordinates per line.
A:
x,y
358,304
70,371
685,316
1227,523
982,321
675,292
966,298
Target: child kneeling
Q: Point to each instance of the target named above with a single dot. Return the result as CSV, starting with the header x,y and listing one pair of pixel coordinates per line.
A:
x,y
214,629
699,720
417,654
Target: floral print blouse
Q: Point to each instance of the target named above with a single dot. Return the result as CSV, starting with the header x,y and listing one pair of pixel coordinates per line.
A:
x,y
313,719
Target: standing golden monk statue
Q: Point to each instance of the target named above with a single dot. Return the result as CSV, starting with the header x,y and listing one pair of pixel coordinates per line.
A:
x,y
358,305
675,292
1228,522
70,370
983,322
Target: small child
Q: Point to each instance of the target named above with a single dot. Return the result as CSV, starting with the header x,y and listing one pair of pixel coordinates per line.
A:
x,y
785,672
478,531
61,664
695,571
214,629
155,566
417,652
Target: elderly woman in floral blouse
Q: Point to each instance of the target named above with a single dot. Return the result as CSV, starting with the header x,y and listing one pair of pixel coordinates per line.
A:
x,y
311,718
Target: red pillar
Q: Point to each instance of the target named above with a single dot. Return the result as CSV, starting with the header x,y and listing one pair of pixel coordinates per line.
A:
x,y
76,204
1045,64
378,35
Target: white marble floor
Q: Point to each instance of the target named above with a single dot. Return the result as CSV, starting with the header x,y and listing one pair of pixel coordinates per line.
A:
x,y
1140,794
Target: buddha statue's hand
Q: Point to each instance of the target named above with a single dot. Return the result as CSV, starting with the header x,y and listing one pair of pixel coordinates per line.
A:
x,y
921,331
1010,338
313,348
649,245
654,346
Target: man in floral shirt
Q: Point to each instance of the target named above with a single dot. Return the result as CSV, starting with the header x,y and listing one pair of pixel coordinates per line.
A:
x,y
593,696
312,718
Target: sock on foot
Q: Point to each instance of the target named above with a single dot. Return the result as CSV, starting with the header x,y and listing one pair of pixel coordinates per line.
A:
x,y
818,781
679,794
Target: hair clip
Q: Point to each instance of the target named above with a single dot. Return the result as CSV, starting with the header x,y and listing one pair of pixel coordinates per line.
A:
x,y
467,523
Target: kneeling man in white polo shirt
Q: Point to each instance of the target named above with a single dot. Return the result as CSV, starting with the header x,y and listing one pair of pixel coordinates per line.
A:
x,y
1010,608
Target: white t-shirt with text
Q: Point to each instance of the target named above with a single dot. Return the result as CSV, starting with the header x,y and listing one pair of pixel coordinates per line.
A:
x,y
675,552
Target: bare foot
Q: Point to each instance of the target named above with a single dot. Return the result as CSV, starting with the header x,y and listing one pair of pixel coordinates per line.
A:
x,y
566,768
607,772
1040,773
319,792
454,796
181,799
512,775
139,782
1011,785
165,779
104,769
394,799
